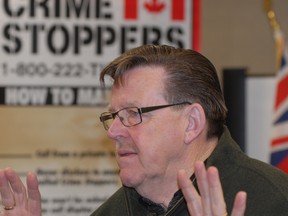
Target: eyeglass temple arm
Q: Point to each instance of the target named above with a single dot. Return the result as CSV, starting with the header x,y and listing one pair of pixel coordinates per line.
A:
x,y
152,108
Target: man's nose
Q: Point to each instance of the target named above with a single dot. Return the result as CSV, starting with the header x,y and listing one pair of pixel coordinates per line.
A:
x,y
116,129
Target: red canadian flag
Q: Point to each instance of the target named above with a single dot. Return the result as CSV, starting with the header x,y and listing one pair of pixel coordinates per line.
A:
x,y
154,6
177,10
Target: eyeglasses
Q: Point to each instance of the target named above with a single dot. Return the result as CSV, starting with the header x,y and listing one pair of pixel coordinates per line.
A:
x,y
131,116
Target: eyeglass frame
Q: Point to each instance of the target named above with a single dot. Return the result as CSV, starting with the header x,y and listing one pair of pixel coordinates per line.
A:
x,y
112,115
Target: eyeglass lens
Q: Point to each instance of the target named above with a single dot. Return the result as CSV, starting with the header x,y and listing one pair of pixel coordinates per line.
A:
x,y
128,116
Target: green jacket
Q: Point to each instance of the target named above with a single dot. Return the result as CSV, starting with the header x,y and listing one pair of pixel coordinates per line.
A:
x,y
266,186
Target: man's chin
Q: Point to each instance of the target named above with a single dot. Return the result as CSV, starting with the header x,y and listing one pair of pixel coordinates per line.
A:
x,y
129,178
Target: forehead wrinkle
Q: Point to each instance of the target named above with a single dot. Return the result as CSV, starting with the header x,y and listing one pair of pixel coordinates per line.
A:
x,y
122,106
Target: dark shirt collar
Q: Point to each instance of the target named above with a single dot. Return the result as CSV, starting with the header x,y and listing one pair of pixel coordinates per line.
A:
x,y
160,209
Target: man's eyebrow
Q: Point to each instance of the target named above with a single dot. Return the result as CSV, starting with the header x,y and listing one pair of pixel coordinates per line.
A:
x,y
130,104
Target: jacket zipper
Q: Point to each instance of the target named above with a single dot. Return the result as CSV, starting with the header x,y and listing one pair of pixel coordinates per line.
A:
x,y
170,211
180,200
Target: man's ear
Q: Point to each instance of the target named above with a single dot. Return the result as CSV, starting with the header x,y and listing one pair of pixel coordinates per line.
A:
x,y
196,122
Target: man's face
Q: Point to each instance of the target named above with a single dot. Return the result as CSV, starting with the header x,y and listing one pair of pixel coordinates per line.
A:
x,y
149,152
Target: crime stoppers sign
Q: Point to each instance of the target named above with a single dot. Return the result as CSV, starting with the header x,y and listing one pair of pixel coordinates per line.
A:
x,y
56,42
51,54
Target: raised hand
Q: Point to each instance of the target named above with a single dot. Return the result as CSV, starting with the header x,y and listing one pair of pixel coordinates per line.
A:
x,y
16,200
211,201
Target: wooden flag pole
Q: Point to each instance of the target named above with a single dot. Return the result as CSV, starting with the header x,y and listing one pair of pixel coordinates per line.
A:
x,y
278,35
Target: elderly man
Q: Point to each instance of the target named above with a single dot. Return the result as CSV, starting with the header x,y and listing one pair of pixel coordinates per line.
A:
x,y
167,119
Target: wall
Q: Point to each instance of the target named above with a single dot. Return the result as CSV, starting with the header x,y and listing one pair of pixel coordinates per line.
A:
x,y
236,33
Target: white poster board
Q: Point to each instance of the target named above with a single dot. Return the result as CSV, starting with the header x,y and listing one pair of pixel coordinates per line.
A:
x,y
260,91
51,54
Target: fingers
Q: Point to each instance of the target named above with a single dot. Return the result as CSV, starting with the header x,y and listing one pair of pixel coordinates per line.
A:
x,y
239,204
218,204
210,188
211,201
203,185
34,197
191,195
17,188
13,193
5,190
